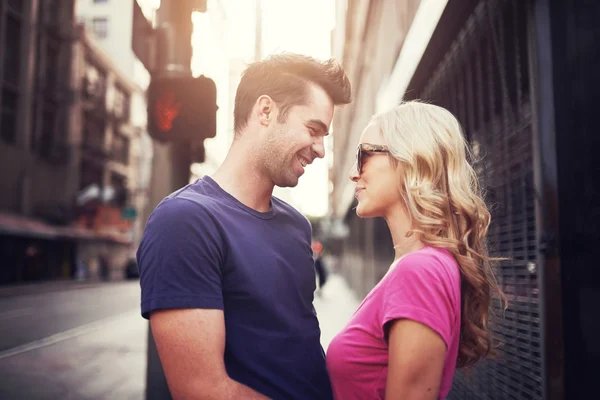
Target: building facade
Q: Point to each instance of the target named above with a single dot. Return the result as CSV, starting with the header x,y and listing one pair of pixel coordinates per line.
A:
x,y
522,78
39,176
368,59
112,161
66,150
110,23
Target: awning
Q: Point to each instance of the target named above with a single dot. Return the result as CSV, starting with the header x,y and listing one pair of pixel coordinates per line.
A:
x,y
18,225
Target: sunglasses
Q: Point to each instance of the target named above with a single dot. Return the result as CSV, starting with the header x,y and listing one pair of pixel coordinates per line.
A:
x,y
366,148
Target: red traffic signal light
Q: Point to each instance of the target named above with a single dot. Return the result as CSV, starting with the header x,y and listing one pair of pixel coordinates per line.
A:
x,y
182,108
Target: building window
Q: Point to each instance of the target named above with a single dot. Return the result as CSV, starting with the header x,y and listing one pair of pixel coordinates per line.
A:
x,y
47,134
52,65
10,68
50,10
93,134
119,184
120,149
36,109
8,116
121,103
90,173
12,50
16,5
100,27
94,83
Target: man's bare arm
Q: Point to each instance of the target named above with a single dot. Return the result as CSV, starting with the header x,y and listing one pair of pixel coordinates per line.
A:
x,y
191,343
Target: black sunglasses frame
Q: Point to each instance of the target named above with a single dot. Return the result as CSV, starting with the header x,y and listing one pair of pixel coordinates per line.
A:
x,y
368,148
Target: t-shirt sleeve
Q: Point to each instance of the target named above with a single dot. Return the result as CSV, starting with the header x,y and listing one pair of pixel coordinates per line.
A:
x,y
180,258
420,289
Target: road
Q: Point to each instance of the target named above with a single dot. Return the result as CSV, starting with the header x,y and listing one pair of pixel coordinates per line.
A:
x,y
72,341
88,341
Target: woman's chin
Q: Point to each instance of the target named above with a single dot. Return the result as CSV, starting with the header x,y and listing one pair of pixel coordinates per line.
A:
x,y
366,210
362,211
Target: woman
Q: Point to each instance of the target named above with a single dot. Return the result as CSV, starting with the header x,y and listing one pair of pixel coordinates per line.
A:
x,y
428,314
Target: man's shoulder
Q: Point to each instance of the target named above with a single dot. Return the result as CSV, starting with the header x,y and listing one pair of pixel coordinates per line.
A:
x,y
185,218
200,193
289,210
192,202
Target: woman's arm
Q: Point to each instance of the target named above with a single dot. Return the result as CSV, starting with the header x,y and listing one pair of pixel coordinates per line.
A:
x,y
416,361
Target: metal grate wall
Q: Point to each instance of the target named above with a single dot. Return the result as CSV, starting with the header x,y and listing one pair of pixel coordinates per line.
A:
x,y
576,67
484,80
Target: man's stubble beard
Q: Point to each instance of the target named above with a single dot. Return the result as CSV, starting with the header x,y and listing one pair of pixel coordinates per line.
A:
x,y
282,173
276,163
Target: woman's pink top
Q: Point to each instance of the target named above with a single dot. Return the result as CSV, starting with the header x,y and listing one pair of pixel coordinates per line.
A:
x,y
424,286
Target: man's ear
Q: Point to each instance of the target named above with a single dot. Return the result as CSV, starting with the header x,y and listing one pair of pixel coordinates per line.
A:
x,y
265,109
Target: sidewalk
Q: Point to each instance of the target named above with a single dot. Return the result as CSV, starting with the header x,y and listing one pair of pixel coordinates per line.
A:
x,y
107,359
41,287
335,307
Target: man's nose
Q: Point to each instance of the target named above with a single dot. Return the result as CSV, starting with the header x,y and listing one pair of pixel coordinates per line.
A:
x,y
318,147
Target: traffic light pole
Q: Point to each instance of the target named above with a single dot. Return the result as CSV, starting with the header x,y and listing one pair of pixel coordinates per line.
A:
x,y
174,47
171,160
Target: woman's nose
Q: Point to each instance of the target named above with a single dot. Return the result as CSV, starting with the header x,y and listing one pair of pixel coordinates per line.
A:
x,y
354,175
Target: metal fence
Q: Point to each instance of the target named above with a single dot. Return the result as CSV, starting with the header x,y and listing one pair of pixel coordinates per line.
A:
x,y
484,79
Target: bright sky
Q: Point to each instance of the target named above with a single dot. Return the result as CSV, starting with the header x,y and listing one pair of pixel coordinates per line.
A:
x,y
226,32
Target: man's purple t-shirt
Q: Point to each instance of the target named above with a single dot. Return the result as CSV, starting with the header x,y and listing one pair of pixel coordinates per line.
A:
x,y
202,248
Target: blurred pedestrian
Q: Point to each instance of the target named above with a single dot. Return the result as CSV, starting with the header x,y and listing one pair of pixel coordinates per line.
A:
x,y
226,270
321,273
104,265
428,315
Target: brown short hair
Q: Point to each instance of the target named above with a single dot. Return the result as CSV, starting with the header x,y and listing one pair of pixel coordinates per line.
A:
x,y
285,78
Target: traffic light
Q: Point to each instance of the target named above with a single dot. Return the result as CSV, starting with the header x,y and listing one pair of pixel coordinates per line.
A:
x,y
182,108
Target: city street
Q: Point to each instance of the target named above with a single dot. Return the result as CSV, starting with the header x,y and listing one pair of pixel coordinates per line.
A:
x,y
73,341
88,341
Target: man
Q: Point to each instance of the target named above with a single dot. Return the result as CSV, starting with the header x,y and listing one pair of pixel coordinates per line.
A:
x,y
227,273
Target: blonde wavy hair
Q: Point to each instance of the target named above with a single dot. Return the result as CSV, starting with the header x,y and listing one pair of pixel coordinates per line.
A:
x,y
443,198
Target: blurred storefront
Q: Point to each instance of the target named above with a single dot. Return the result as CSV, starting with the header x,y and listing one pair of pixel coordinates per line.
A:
x,y
69,180
522,77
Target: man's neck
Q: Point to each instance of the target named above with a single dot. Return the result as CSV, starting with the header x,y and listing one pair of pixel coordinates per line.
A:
x,y
242,178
